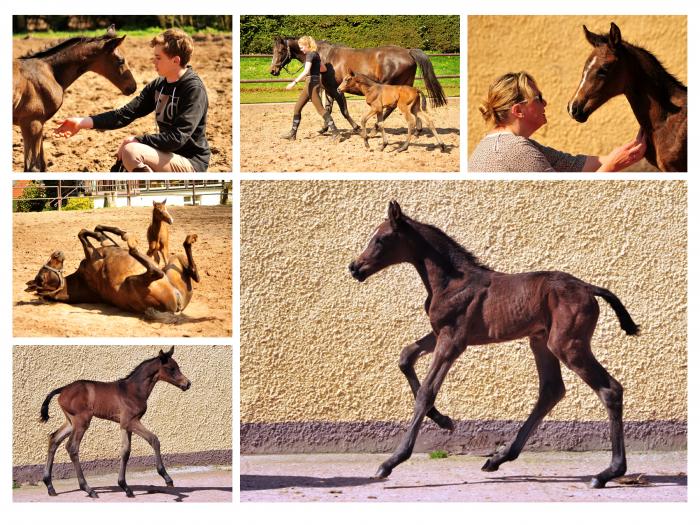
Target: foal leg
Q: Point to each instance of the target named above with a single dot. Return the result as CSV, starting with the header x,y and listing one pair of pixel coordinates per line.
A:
x,y
577,355
153,273
551,392
126,452
32,139
445,354
411,121
152,439
73,448
54,441
409,356
432,129
191,266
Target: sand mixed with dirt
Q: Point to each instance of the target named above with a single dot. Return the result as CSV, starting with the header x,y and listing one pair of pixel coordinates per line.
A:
x,y
263,149
92,94
37,235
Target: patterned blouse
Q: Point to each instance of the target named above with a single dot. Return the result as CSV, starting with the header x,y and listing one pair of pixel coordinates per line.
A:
x,y
505,151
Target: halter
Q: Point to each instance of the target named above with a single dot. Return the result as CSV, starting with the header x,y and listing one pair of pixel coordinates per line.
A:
x,y
61,280
288,59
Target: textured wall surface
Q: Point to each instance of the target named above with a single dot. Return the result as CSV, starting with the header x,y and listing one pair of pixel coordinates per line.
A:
x,y
553,49
316,346
194,421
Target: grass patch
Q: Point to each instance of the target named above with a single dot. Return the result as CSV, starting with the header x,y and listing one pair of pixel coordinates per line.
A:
x,y
15,485
259,68
438,454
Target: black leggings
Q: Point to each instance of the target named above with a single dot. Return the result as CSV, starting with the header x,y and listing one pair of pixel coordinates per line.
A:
x,y
311,90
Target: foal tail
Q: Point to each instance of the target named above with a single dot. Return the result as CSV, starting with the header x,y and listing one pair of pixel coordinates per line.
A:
x,y
435,92
45,405
626,322
421,95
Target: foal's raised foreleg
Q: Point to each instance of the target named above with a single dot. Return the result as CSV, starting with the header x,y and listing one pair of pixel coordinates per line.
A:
x,y
54,441
191,266
551,392
446,353
125,453
409,356
363,124
152,439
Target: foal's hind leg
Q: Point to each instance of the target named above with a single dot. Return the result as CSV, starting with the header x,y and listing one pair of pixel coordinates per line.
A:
x,y
411,122
576,354
73,447
54,441
551,392
125,453
153,273
152,439
409,356
432,129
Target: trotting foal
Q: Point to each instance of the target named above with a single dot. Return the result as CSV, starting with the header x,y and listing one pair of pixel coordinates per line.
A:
x,y
409,100
470,304
122,401
158,233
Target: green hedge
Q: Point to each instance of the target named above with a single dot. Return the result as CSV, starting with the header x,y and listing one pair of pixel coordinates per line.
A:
x,y
78,203
426,32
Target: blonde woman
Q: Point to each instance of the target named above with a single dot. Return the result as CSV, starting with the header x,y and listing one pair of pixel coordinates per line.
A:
x,y
313,67
516,109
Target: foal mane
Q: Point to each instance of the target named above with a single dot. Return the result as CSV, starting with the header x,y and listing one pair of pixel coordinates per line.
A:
x,y
653,67
446,246
51,50
140,367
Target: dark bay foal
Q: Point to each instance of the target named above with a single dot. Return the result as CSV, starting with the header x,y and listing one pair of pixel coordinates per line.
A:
x,y
123,401
158,233
470,304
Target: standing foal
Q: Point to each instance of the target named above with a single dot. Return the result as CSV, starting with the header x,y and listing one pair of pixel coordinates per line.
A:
x,y
122,401
158,233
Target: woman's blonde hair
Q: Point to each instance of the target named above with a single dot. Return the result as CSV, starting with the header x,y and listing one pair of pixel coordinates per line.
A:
x,y
504,93
309,42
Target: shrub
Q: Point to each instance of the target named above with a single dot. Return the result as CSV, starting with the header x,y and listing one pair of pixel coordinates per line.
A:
x,y
78,203
32,198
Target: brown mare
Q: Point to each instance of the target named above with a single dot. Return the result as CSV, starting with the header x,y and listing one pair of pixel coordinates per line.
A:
x,y
659,100
41,79
123,401
158,233
385,64
115,275
409,100
470,304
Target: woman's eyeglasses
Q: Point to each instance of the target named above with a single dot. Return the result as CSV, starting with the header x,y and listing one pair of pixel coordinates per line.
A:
x,y
537,98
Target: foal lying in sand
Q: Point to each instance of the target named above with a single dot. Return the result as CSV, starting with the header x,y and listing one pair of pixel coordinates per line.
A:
x,y
409,100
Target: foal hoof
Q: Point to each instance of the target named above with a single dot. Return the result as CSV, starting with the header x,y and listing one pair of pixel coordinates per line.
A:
x,y
382,472
93,494
52,492
191,238
490,466
129,493
597,483
446,423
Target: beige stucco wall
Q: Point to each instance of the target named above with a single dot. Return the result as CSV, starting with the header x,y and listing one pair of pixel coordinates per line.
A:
x,y
197,420
553,49
318,346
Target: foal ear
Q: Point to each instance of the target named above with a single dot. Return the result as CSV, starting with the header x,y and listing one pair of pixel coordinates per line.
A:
x,y
114,43
395,214
111,31
593,38
164,200
615,37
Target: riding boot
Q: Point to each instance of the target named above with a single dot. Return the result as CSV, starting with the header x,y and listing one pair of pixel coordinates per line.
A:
x,y
330,125
292,135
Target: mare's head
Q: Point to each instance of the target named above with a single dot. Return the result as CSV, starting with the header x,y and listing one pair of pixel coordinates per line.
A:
x,y
169,370
110,62
50,280
391,243
281,55
160,212
605,73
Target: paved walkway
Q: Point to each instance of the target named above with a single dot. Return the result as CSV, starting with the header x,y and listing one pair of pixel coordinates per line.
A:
x,y
192,484
535,476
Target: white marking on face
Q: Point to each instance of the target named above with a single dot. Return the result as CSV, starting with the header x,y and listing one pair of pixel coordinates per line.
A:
x,y
583,81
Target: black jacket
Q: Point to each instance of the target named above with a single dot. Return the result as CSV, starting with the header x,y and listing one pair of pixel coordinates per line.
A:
x,y
181,114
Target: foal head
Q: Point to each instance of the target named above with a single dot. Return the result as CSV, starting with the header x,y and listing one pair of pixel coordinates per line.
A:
x,y
169,371
605,73
110,62
391,243
160,212
50,279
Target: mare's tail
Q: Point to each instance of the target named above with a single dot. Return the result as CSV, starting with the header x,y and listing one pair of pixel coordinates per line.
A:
x,y
626,322
45,405
151,314
435,92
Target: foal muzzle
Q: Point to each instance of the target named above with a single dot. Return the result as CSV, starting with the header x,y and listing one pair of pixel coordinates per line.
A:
x,y
356,271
